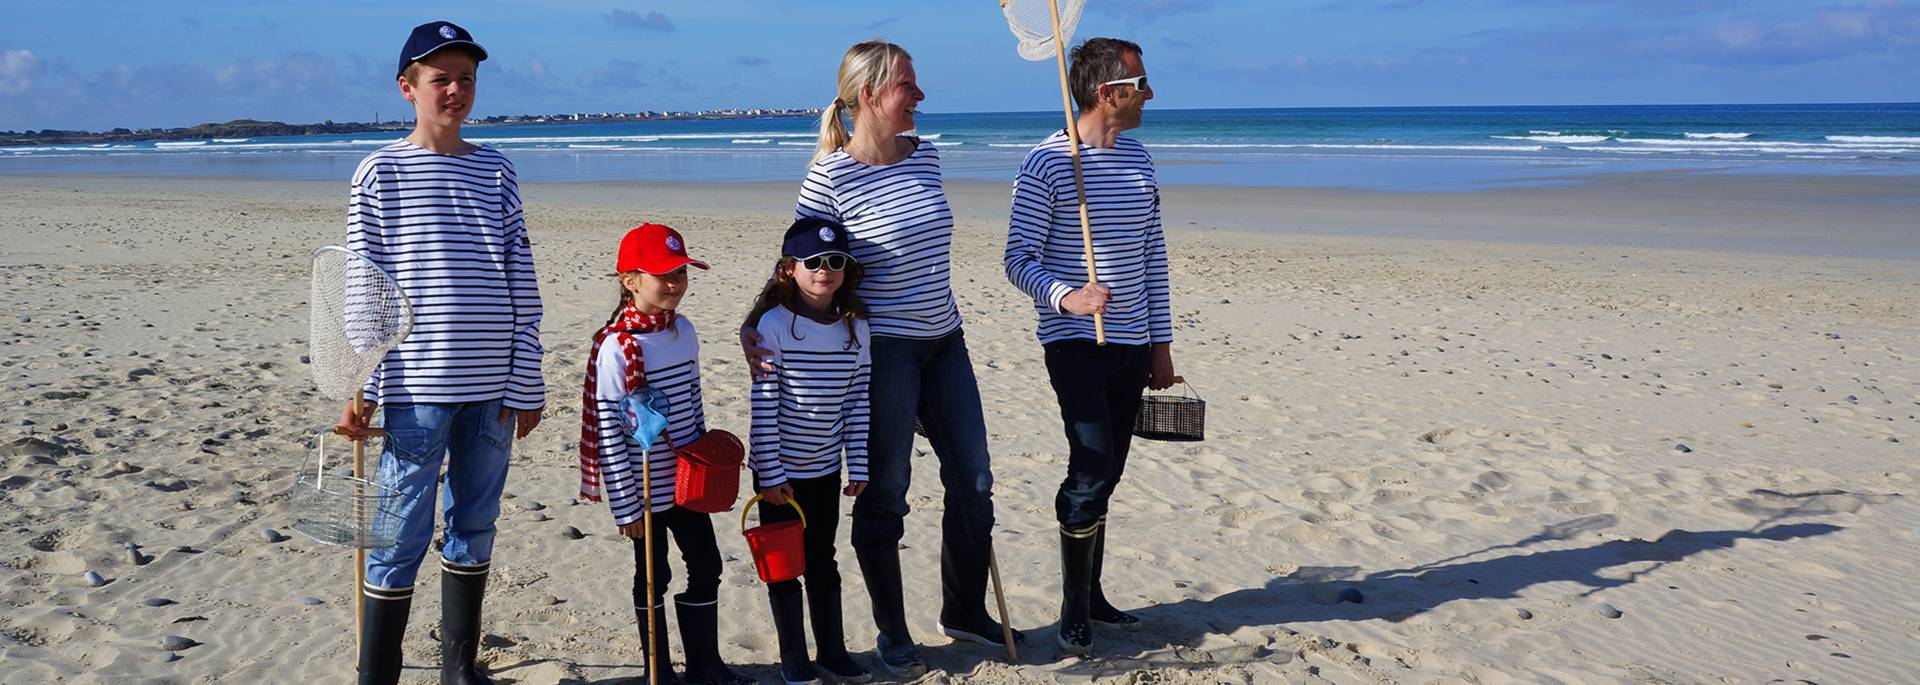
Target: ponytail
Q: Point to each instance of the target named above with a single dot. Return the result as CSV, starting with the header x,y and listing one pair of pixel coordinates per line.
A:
x,y
833,133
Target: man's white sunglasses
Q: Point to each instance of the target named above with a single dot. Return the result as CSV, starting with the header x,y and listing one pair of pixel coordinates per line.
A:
x,y
1138,82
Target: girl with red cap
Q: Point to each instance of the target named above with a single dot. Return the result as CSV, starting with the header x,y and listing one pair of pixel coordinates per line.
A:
x,y
646,345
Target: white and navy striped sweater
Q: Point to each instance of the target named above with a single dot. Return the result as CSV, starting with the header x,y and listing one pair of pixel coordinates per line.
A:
x,y
813,406
449,229
901,231
1045,257
672,361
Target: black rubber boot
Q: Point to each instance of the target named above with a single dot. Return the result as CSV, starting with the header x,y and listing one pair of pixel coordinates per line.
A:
x,y
700,634
790,626
661,641
963,588
462,588
829,638
1098,608
1076,589
880,565
383,627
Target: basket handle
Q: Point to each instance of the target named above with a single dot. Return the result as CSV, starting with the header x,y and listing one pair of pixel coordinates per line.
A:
x,y
757,498
1182,381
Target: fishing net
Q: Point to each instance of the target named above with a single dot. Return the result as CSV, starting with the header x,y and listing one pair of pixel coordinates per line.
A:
x,y
359,314
1032,22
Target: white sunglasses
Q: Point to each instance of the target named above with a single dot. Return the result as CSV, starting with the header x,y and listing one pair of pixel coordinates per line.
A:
x,y
1138,82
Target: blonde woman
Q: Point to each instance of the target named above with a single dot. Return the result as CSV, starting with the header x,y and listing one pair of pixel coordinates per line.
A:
x,y
885,188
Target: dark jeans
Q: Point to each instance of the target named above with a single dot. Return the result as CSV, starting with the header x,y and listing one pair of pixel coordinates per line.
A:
x,y
1099,391
693,533
820,499
931,379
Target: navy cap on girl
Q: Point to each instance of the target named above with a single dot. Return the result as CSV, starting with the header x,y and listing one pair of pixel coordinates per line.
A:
x,y
813,236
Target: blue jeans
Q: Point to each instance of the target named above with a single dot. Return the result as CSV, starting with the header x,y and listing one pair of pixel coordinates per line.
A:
x,y
931,379
476,442
1099,392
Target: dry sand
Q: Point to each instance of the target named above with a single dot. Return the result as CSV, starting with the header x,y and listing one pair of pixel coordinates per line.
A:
x,y
1493,442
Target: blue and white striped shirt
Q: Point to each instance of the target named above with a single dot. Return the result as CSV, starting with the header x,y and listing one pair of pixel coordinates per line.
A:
x,y
1045,256
901,231
812,407
672,361
449,228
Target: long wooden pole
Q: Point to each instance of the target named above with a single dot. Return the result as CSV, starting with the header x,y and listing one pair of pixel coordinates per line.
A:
x,y
646,520
1006,629
1079,185
360,525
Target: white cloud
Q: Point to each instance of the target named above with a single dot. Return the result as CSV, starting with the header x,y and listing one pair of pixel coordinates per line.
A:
x,y
17,70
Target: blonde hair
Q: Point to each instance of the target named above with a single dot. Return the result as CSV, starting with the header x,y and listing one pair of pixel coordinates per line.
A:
x,y
868,63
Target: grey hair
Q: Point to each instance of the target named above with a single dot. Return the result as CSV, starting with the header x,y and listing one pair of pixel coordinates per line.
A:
x,y
1097,61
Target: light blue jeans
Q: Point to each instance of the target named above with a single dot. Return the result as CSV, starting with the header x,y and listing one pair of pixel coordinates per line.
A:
x,y
475,442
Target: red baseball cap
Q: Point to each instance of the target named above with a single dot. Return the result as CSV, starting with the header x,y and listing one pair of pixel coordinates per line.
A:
x,y
655,249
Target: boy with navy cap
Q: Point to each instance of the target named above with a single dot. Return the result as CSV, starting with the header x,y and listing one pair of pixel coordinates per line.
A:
x,y
443,216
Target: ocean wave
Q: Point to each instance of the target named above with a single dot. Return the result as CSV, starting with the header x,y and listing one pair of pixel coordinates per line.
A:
x,y
1717,136
231,140
179,143
1877,140
592,146
1351,146
649,138
751,141
1557,138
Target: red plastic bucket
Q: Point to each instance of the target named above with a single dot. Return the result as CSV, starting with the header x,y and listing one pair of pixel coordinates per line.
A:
x,y
779,548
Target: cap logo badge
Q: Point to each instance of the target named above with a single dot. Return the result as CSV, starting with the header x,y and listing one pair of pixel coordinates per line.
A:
x,y
826,234
673,244
448,33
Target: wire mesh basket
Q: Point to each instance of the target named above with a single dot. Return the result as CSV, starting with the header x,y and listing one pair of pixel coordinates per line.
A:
x,y
1173,418
335,508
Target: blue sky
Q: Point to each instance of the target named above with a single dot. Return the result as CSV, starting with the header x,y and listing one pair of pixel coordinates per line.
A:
x,y
95,65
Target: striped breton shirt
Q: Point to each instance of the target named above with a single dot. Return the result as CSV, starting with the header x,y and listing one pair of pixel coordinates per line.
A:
x,y
449,229
1045,255
813,406
672,360
901,231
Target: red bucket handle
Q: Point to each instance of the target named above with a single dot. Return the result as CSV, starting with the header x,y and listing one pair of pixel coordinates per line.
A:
x,y
756,498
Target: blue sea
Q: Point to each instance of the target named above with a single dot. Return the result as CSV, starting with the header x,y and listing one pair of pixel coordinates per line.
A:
x,y
1397,148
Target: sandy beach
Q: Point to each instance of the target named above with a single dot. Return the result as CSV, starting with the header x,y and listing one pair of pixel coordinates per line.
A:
x,y
1654,428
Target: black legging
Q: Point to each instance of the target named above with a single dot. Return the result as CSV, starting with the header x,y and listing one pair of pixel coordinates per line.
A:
x,y
693,533
820,499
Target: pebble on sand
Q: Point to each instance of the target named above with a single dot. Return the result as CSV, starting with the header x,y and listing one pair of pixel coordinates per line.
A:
x,y
532,505
311,601
93,579
571,533
158,602
1607,610
175,643
1682,448
271,535
1524,614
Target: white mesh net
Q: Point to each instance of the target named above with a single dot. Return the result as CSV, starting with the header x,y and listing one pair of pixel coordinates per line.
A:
x,y
359,314
1032,22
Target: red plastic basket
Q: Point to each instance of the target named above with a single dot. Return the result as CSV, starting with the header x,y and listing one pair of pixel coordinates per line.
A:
x,y
708,477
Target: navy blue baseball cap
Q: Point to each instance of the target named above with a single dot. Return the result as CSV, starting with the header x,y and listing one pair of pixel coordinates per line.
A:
x,y
812,237
430,37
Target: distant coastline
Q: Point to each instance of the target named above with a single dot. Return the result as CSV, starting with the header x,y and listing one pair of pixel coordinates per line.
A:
x,y
250,128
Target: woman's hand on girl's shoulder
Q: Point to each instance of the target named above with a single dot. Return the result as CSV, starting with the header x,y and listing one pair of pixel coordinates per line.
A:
x,y
759,359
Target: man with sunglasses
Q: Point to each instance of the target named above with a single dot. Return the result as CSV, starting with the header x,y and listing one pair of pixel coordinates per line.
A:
x,y
1098,386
